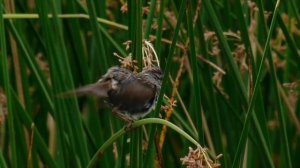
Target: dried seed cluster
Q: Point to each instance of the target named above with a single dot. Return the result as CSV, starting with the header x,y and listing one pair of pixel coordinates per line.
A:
x,y
198,158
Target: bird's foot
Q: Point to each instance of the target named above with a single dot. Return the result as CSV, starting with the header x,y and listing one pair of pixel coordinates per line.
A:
x,y
128,125
129,121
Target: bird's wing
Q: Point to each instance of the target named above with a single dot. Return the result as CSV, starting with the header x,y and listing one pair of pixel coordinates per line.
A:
x,y
134,96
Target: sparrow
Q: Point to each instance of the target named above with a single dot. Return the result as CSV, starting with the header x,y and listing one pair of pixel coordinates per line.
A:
x,y
131,96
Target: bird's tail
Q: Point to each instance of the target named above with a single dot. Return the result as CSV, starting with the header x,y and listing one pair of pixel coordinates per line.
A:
x,y
98,90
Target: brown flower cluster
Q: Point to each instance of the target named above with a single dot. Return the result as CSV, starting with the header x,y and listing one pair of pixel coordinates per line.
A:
x,y
198,158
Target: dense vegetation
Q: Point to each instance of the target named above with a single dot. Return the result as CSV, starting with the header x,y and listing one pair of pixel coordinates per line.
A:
x,y
231,83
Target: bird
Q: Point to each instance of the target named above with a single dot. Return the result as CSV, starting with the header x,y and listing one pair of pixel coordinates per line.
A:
x,y
131,96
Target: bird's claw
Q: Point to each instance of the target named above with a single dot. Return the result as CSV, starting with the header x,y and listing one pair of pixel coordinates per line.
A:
x,y
128,125
129,121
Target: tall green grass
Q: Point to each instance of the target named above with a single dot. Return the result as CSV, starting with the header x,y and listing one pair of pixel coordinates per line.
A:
x,y
231,71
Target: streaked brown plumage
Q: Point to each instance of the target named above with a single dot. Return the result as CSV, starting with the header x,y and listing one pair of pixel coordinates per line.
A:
x,y
131,96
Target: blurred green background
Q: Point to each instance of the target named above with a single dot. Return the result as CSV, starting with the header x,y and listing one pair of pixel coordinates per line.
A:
x,y
231,81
